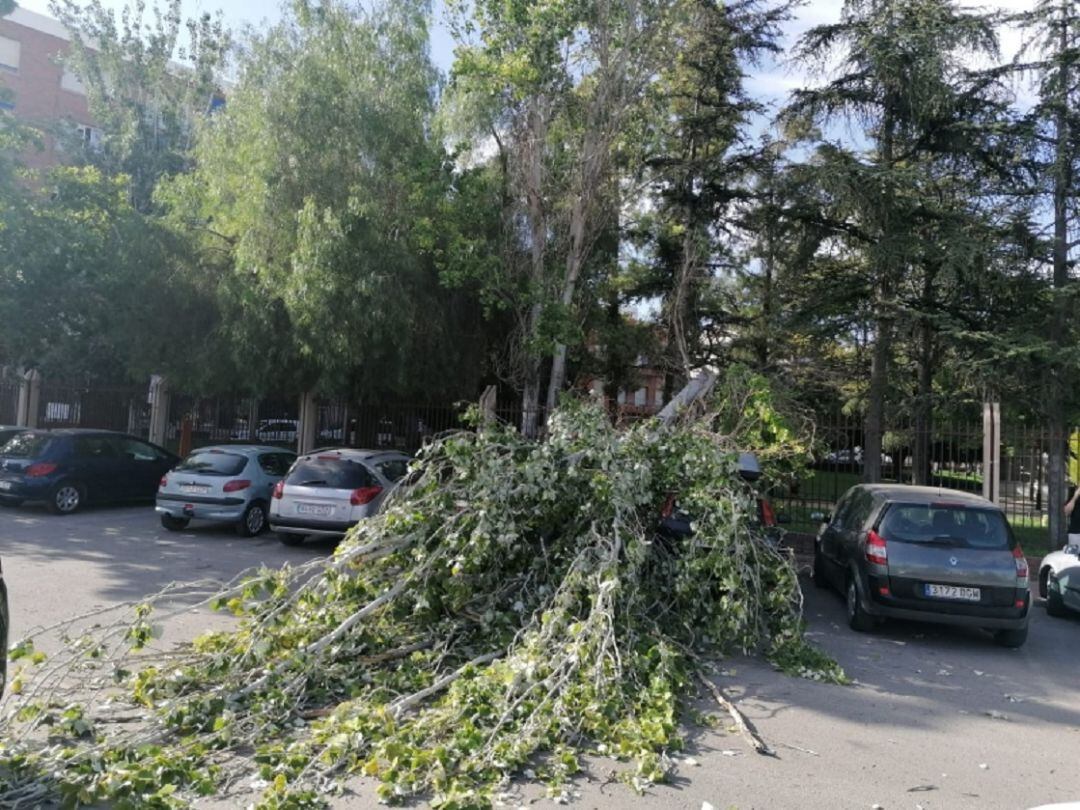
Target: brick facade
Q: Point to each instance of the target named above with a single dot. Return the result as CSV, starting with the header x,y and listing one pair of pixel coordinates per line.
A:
x,y
40,99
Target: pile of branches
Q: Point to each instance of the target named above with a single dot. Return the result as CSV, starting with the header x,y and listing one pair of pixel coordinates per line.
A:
x,y
512,609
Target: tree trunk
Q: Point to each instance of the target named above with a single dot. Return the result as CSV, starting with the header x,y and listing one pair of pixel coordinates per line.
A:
x,y
924,398
575,256
924,410
874,425
1055,402
538,235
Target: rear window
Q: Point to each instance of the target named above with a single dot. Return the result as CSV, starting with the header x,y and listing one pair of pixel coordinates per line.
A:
x,y
213,464
27,445
332,473
394,470
955,525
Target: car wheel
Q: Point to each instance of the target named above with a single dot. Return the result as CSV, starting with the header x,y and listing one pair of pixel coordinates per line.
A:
x,y
290,539
1011,638
1055,605
66,497
820,577
174,524
253,521
1044,577
858,619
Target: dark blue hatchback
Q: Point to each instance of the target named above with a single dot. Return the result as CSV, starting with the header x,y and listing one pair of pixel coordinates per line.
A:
x,y
68,468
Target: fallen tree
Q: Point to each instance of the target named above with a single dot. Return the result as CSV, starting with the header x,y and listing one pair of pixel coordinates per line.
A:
x,y
512,609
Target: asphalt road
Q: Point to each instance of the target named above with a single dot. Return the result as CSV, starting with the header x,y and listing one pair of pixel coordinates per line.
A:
x,y
937,718
56,567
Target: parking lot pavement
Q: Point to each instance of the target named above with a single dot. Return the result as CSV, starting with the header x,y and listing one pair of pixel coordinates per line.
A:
x,y
56,567
938,717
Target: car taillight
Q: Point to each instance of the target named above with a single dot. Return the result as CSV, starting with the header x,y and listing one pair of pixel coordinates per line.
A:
x,y
876,551
1021,566
668,508
768,518
364,495
40,469
237,485
164,482
279,490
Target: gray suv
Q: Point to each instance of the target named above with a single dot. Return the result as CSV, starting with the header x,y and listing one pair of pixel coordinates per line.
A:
x,y
924,554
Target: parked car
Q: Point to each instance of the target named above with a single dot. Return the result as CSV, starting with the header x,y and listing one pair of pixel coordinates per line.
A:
x,y
68,468
227,484
853,456
1059,580
9,432
329,491
675,523
4,624
282,430
924,554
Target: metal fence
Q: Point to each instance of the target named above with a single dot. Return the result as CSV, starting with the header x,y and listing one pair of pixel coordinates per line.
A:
x,y
953,453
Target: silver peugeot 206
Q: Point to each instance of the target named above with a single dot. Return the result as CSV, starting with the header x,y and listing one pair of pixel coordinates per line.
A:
x,y
225,484
329,491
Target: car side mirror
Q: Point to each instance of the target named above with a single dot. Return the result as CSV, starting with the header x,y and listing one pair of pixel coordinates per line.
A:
x,y
820,517
1074,550
783,519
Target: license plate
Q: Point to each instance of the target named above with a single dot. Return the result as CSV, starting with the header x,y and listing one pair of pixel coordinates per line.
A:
x,y
194,489
953,592
314,509
5,485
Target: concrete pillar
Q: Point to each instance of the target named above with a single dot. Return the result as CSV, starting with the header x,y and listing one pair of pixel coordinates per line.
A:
x,y
991,466
488,401
309,423
29,403
158,399
253,420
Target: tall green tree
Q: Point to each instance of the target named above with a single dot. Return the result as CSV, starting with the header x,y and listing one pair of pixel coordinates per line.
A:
x,y
564,80
1054,29
702,162
147,84
317,193
899,61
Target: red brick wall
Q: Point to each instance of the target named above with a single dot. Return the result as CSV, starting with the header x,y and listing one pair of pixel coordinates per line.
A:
x,y
39,98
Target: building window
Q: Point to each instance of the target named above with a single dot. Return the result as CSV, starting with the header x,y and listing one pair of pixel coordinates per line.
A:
x,y
9,54
641,397
90,136
621,398
70,82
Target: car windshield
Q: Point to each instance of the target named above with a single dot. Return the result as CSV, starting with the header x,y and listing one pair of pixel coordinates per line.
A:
x,y
332,473
209,463
26,445
946,524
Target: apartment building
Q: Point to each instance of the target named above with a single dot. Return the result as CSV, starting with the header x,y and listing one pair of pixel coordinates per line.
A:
x,y
44,93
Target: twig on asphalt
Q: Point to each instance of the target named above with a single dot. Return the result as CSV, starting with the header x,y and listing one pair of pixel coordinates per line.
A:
x,y
745,727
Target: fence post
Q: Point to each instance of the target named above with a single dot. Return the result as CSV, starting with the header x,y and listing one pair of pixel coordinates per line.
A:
x,y
488,402
158,400
309,422
253,420
991,477
26,409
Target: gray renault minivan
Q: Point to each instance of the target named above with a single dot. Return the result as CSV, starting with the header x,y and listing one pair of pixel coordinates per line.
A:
x,y
924,554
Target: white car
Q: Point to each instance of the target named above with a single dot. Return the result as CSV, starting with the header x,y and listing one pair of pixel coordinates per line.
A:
x,y
1059,580
327,492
